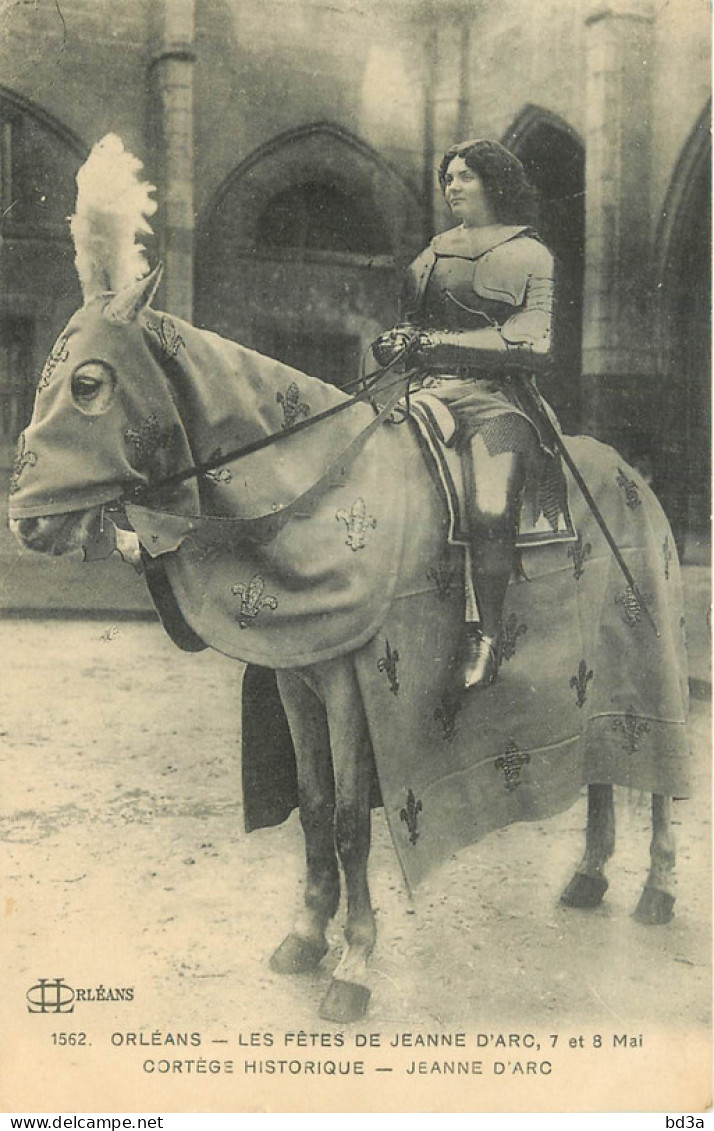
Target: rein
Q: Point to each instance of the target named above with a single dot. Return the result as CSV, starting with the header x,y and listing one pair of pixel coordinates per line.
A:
x,y
138,495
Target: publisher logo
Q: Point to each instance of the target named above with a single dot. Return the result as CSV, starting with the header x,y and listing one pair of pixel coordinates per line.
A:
x,y
54,995
50,995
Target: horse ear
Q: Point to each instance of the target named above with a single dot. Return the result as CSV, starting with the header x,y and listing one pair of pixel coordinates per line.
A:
x,y
126,305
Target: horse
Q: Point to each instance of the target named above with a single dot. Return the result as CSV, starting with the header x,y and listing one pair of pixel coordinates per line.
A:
x,y
304,531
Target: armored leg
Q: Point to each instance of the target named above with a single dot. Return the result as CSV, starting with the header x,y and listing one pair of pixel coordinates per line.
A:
x,y
494,489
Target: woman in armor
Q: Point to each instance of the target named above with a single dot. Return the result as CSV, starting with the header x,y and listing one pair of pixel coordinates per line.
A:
x,y
477,308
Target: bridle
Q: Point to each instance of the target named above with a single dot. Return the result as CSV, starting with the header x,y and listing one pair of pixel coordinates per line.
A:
x,y
368,386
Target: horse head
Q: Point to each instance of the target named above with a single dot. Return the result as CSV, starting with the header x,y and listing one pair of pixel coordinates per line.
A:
x,y
104,421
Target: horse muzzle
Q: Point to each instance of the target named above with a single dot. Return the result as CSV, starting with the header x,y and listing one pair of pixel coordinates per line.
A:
x,y
53,534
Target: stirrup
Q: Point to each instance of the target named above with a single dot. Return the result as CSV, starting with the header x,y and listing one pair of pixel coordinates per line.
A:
x,y
480,666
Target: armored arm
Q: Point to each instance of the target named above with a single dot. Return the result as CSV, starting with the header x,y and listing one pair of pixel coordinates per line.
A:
x,y
523,341
519,273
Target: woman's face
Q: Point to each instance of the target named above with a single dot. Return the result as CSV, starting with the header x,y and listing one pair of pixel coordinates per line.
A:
x,y
466,195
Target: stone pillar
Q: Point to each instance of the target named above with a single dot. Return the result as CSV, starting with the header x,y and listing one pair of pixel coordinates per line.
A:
x,y
618,345
447,97
172,61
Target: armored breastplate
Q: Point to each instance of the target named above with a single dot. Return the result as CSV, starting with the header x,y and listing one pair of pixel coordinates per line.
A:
x,y
451,303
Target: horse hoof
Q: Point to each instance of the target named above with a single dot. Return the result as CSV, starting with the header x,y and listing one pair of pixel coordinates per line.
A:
x,y
344,1001
655,907
584,891
296,955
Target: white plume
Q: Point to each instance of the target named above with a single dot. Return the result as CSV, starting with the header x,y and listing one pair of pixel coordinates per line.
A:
x,y
113,207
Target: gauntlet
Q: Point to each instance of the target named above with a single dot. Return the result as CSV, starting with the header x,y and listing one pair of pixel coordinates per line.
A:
x,y
478,349
391,343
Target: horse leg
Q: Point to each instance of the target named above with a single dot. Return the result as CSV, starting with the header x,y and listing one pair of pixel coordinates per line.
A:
x,y
657,899
348,995
589,885
306,944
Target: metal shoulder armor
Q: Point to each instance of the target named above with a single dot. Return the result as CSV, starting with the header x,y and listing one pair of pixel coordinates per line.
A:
x,y
416,278
520,272
503,272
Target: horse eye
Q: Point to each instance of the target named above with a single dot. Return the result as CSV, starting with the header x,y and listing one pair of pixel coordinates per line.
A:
x,y
93,385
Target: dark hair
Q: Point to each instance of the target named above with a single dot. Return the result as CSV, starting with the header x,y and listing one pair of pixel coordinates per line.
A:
x,y
504,179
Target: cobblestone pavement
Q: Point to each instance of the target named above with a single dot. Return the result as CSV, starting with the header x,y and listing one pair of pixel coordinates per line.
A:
x,y
127,864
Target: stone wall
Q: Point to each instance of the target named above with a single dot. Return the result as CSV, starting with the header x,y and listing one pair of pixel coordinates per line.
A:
x,y
224,102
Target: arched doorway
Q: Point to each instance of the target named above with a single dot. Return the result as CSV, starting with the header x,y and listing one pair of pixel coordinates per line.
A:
x,y
39,159
296,254
683,470
554,159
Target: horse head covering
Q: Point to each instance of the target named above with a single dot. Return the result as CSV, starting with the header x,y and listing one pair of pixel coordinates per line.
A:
x,y
92,434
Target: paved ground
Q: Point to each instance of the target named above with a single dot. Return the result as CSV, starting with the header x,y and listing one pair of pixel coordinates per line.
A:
x,y
127,865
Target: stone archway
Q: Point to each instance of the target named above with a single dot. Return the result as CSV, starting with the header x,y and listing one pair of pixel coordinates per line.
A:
x,y
39,159
683,282
554,158
296,252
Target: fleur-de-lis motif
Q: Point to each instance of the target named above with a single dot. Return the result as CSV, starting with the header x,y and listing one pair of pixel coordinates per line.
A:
x,y
252,599
446,714
165,330
218,474
410,815
511,763
632,729
148,439
293,407
667,555
632,491
631,606
58,353
22,460
579,553
443,577
579,683
388,663
357,522
508,637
